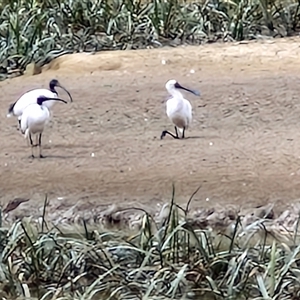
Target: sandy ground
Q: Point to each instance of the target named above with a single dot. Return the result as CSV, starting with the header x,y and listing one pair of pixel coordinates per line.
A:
x,y
243,147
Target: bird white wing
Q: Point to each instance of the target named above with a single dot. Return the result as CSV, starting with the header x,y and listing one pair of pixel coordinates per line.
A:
x,y
30,97
24,121
180,112
34,118
188,111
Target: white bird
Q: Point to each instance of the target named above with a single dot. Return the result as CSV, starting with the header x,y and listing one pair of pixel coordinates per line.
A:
x,y
179,109
33,120
30,97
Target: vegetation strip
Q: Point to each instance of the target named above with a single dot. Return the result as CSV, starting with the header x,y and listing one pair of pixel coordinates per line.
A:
x,y
172,258
36,32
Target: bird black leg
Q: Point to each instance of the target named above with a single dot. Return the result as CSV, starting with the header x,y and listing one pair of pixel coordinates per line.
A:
x,y
40,146
19,122
183,132
176,131
31,144
163,134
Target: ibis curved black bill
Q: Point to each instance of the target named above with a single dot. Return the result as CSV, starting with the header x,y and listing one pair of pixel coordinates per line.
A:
x,y
71,99
42,99
54,83
195,92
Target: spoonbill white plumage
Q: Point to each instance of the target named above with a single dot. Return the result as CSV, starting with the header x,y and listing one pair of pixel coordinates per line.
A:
x,y
30,97
179,109
33,120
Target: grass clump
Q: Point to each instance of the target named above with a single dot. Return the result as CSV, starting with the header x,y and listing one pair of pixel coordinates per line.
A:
x,y
170,259
38,31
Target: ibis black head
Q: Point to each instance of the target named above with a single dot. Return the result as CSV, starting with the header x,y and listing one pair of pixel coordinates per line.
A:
x,y
55,83
42,99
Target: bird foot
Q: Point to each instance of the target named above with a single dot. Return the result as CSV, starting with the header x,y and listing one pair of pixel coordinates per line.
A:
x,y
163,134
42,156
31,156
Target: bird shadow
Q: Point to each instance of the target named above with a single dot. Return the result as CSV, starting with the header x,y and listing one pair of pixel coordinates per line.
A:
x,y
47,157
65,146
203,137
57,156
194,137
187,138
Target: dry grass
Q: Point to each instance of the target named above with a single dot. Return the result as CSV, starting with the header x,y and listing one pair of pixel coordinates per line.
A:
x,y
169,256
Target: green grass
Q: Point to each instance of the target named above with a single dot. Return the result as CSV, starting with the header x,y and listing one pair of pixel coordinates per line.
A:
x,y
39,31
169,259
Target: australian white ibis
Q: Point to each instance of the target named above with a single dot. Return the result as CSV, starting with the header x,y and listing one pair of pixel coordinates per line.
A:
x,y
17,108
33,120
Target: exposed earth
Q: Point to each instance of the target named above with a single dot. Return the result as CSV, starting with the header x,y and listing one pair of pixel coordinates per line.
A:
x,y
243,147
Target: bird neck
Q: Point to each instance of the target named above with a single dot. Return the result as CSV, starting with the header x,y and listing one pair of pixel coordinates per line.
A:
x,y
40,103
43,108
52,89
176,95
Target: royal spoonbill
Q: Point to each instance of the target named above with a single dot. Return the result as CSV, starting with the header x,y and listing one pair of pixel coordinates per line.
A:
x,y
17,108
179,109
33,120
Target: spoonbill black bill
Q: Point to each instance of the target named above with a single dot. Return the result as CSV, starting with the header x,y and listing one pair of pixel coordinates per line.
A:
x,y
179,109
33,120
30,97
